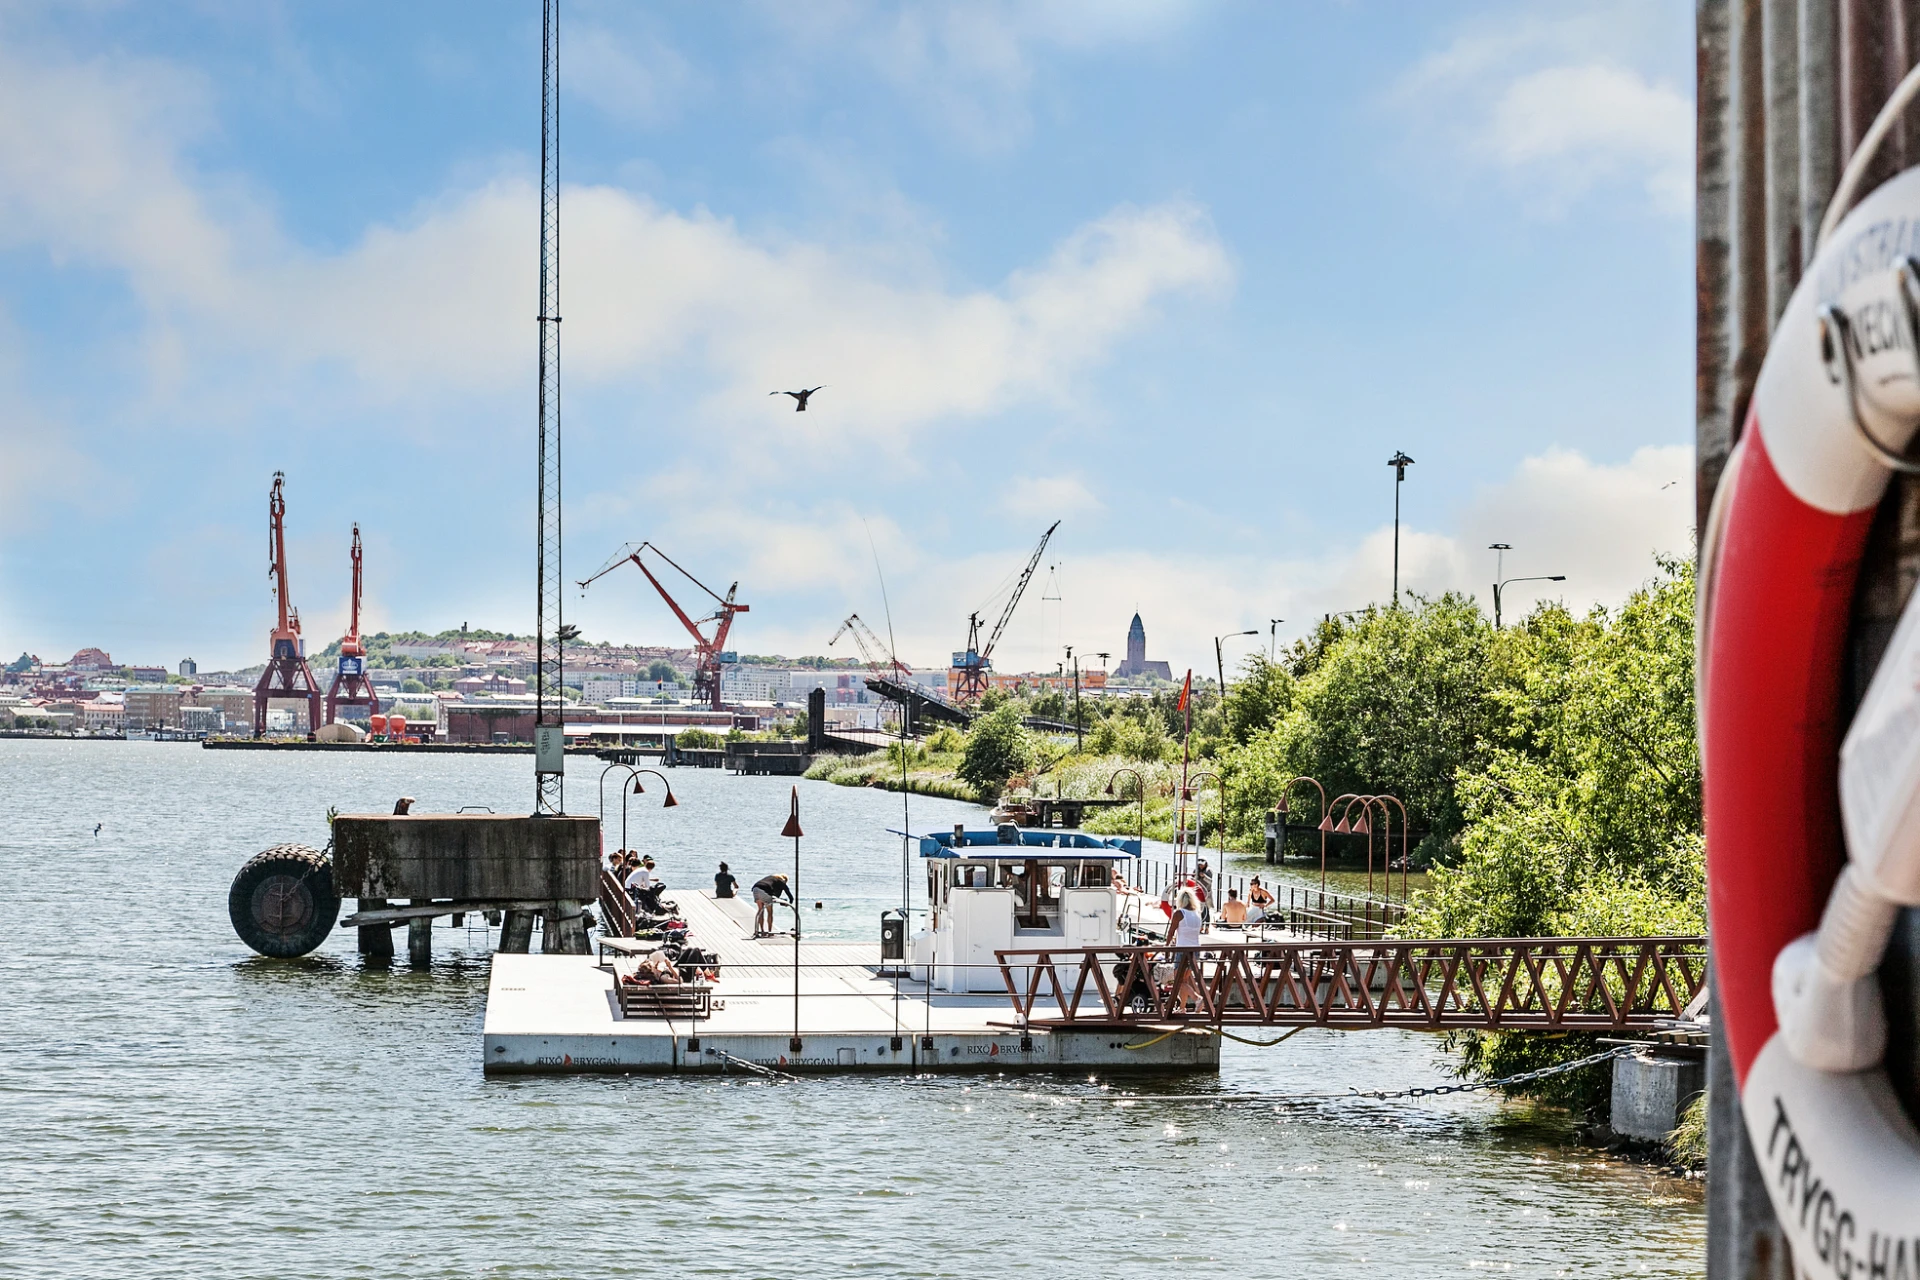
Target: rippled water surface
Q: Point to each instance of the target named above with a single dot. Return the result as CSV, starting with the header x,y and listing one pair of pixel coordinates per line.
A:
x,y
173,1105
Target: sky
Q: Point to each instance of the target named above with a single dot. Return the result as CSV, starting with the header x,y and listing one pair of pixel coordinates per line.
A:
x,y
1179,274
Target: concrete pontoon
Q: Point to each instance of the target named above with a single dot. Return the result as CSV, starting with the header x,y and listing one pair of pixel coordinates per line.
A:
x,y
558,1014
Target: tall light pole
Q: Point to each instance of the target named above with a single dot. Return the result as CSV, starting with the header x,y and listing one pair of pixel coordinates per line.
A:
x,y
1500,586
1399,462
1219,659
1079,734
1273,630
1499,550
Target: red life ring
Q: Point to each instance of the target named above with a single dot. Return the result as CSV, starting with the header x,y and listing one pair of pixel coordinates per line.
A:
x,y
1839,391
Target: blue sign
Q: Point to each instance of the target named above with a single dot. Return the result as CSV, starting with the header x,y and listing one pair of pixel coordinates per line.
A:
x,y
352,666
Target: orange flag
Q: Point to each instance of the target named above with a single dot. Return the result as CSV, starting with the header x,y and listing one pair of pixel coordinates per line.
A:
x,y
1186,691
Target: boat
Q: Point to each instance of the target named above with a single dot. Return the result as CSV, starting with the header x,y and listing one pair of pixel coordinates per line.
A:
x,y
1020,887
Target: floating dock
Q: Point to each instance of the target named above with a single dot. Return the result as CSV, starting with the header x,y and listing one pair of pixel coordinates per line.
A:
x,y
562,1014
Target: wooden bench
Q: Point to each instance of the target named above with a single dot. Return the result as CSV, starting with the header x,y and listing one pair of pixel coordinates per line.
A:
x,y
689,1001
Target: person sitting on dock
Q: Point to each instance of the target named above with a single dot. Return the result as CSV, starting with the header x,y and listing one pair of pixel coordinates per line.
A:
x,y
1259,900
723,882
765,891
1233,912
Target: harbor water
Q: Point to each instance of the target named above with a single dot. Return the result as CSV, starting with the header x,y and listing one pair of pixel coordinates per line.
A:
x,y
173,1105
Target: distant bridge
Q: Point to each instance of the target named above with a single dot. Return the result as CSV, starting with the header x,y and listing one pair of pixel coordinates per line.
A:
x,y
1494,984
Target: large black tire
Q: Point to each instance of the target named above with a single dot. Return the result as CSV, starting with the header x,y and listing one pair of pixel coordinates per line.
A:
x,y
282,902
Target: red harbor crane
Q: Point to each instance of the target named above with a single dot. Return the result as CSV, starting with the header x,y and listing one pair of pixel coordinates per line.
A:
x,y
971,664
350,685
287,674
869,645
710,651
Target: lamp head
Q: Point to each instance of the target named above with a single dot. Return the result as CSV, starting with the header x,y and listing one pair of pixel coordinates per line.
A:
x,y
1326,823
1341,828
638,789
671,802
1109,786
1361,826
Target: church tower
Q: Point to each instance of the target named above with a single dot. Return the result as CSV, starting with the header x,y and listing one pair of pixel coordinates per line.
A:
x,y
1136,645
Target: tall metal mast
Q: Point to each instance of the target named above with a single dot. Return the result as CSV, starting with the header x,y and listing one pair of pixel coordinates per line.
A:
x,y
549,761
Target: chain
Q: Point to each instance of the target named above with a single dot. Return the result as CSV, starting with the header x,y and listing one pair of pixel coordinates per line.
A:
x,y
1524,1077
1386,1095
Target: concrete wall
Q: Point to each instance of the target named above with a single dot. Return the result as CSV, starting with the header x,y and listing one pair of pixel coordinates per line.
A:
x,y
467,857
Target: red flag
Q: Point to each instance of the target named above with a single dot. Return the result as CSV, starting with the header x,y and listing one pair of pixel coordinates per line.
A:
x,y
1186,690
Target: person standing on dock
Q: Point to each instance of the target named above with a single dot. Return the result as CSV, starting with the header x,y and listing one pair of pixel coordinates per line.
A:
x,y
765,891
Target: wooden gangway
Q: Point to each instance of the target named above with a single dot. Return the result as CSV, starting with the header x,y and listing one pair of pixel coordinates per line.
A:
x,y
1496,984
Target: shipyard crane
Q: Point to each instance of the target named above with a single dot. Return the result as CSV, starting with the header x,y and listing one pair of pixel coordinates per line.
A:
x,y
287,674
711,652
869,645
972,663
350,684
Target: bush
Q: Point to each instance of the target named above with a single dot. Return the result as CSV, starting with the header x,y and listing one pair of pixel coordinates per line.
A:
x,y
946,739
698,739
412,686
998,746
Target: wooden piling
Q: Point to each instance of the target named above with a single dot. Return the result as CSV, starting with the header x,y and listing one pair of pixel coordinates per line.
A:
x,y
516,933
376,940
419,937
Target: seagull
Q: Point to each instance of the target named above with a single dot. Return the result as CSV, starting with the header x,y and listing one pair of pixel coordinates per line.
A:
x,y
96,829
800,397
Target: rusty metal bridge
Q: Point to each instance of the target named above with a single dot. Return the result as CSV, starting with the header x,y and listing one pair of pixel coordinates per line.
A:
x,y
1502,984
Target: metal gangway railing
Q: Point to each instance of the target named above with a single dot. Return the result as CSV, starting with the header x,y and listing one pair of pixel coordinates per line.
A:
x,y
1561,984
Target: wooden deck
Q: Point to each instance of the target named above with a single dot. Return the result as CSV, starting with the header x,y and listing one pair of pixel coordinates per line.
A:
x,y
562,1014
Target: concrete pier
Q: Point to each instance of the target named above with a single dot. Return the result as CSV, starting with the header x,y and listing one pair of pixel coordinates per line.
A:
x,y
1650,1090
561,1013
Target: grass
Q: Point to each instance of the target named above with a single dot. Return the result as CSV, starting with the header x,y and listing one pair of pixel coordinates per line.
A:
x,y
1687,1144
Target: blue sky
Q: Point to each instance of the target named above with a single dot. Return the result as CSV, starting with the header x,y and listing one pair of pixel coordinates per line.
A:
x,y
1180,274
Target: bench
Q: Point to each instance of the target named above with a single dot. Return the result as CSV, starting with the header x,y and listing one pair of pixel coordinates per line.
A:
x,y
683,1000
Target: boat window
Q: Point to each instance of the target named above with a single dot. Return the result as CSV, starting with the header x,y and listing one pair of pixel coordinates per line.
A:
x,y
934,896
1095,875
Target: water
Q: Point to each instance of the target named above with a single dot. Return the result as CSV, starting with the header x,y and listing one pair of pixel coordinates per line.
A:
x,y
173,1106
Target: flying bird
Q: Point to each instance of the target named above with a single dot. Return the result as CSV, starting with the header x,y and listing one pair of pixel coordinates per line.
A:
x,y
800,397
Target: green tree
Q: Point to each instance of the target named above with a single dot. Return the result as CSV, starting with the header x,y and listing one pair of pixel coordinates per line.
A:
x,y
412,686
698,739
998,746
1398,702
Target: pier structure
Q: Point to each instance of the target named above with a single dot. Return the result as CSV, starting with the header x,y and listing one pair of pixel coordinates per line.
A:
x,y
842,1009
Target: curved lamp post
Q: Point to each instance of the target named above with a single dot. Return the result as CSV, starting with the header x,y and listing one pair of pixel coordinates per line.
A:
x,y
1500,586
1357,826
1323,824
1139,778
1405,863
633,774
1192,783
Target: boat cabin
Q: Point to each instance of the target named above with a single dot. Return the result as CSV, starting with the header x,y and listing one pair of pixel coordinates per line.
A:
x,y
1014,887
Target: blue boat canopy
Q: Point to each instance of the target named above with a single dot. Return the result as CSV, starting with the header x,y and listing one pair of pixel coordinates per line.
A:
x,y
984,846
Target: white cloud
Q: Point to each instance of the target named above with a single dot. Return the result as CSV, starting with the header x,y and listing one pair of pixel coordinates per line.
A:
x,y
443,299
634,77
970,66
1561,105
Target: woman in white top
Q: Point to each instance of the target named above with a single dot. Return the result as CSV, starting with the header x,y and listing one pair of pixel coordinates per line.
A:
x,y
1183,935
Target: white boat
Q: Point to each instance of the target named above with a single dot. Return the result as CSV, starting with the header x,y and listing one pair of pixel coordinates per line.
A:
x,y
1015,887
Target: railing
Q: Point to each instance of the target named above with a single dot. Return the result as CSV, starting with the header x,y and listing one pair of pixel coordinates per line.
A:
x,y
616,909
1574,984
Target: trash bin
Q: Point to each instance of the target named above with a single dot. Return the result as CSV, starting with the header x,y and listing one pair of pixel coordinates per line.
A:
x,y
893,935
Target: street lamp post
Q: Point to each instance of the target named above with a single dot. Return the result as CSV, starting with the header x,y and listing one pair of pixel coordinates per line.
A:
x,y
1325,826
1219,659
1498,587
1273,630
1399,462
1199,836
1079,732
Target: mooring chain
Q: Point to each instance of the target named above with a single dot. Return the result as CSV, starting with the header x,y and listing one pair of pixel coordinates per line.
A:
x,y
1524,1077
